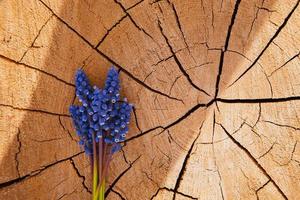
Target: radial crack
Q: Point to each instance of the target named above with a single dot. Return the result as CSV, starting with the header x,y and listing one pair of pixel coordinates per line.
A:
x,y
111,186
260,188
221,62
262,100
117,193
268,44
65,129
37,69
178,62
188,113
184,164
80,176
36,37
19,151
291,59
34,110
109,30
131,19
282,125
254,160
171,190
35,173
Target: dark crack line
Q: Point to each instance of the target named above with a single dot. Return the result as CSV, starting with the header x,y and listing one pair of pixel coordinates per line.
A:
x,y
18,152
36,172
260,188
118,194
111,186
109,30
136,79
36,37
178,62
34,110
80,176
46,140
262,100
255,18
221,62
176,79
268,44
131,19
215,158
37,69
148,176
188,113
282,125
65,129
254,160
173,191
136,119
236,101
170,138
134,5
292,58
267,151
180,28
184,164
162,60
108,58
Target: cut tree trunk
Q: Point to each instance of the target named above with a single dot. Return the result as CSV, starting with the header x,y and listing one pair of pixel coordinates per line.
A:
x,y
215,86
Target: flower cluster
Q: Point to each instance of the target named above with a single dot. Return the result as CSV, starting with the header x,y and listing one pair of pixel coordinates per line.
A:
x,y
102,115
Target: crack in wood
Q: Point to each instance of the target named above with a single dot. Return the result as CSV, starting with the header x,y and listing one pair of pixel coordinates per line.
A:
x,y
65,129
178,62
36,172
221,62
282,125
134,5
19,151
180,28
189,112
80,176
118,194
34,110
184,164
171,190
268,44
260,188
37,69
109,30
248,153
38,34
215,158
265,153
136,79
262,100
111,186
291,59
232,101
131,19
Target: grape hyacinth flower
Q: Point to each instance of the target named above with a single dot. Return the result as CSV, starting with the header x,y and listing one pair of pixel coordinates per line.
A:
x,y
101,122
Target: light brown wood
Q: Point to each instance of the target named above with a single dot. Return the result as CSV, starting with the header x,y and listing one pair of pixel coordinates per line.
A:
x,y
215,86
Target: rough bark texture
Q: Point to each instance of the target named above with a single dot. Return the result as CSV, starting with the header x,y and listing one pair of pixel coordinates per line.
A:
x,y
215,86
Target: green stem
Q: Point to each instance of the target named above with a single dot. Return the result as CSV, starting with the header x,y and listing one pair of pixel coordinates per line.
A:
x,y
102,191
95,170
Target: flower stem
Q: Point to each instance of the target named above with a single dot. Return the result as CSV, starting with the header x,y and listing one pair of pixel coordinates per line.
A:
x,y
102,191
95,170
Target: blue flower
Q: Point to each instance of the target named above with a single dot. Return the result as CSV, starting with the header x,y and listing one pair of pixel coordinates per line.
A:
x,y
102,115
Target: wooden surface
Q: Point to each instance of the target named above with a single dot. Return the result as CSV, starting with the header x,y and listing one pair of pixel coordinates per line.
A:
x,y
215,86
